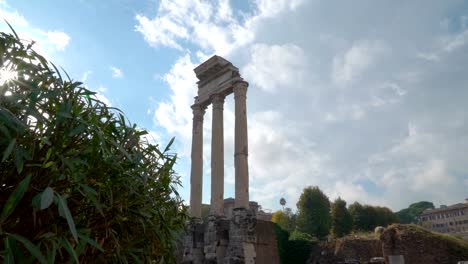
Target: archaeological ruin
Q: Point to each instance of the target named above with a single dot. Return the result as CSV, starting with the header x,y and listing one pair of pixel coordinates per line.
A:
x,y
241,238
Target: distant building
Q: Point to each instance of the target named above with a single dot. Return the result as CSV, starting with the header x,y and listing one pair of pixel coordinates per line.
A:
x,y
451,219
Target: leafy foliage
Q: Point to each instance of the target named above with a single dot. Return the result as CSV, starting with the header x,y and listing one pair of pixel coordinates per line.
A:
x,y
314,212
342,222
367,217
78,182
408,215
282,242
294,248
285,219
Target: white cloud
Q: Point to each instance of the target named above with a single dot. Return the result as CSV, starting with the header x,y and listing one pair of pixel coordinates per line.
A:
x,y
269,8
272,67
116,72
352,64
210,25
456,41
102,96
47,42
59,39
85,76
175,115
433,175
428,56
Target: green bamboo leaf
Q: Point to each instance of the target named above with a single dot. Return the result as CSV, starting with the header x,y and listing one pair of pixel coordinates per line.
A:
x,y
8,256
48,164
9,149
14,32
87,188
70,250
19,162
47,198
30,247
91,241
65,212
169,145
15,198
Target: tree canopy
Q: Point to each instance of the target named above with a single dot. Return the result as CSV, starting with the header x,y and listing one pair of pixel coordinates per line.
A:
x,y
367,217
408,215
285,219
314,212
78,181
342,222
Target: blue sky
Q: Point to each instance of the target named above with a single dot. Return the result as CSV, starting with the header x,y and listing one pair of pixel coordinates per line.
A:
x,y
365,99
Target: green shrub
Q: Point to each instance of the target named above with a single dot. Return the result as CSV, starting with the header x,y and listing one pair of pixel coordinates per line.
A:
x,y
282,240
294,248
77,181
298,251
298,235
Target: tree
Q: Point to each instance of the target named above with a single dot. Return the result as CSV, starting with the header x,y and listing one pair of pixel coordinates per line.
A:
x,y
367,217
285,219
79,182
342,222
283,202
408,215
314,212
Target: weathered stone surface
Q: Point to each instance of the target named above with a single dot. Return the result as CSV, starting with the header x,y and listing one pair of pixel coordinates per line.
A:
x,y
216,239
346,249
418,245
214,235
242,237
194,243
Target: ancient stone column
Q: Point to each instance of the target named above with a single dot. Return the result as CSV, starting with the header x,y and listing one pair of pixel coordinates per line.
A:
x,y
196,173
241,146
217,157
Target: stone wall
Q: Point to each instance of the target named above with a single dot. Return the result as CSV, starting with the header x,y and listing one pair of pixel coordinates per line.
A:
x,y
336,251
418,245
415,244
266,245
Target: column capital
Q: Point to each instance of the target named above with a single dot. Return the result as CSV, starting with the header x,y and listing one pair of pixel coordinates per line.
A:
x,y
198,112
218,101
240,88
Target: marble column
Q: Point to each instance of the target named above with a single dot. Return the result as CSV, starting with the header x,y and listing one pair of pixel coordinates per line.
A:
x,y
217,157
241,146
196,172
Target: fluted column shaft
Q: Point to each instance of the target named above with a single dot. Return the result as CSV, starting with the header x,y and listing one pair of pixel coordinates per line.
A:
x,y
241,146
196,172
217,157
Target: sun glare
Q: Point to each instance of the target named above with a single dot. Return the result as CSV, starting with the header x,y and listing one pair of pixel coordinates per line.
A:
x,y
7,75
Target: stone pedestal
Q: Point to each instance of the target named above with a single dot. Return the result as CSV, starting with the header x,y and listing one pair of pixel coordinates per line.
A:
x,y
216,239
193,243
242,237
